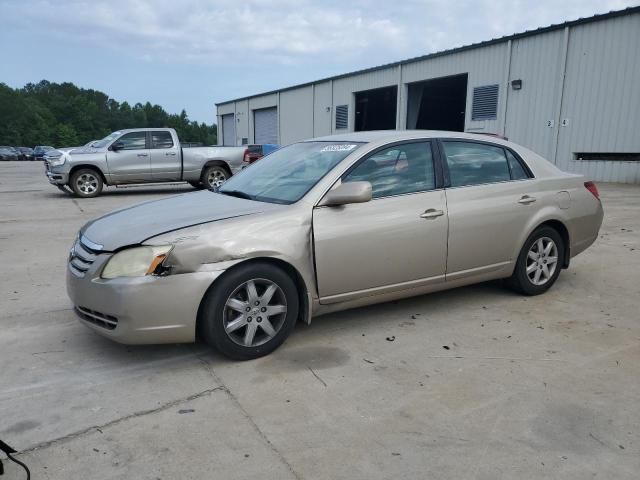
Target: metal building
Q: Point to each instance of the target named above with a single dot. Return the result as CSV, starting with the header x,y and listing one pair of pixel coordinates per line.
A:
x,y
570,92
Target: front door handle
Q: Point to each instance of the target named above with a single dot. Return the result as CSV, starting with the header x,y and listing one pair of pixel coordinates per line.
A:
x,y
170,154
526,200
431,213
143,154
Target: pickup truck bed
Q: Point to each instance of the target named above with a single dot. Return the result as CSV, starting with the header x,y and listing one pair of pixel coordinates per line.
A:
x,y
138,156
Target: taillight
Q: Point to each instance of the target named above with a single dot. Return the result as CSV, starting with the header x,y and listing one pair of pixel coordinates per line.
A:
x,y
245,156
593,189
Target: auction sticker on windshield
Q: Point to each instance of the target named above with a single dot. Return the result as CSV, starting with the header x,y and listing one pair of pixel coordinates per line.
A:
x,y
341,147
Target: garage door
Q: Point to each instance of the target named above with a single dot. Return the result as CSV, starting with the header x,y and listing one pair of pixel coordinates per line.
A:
x,y
265,122
228,130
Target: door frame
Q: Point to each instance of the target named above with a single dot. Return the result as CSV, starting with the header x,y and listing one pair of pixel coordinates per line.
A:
x,y
437,157
116,179
435,154
445,166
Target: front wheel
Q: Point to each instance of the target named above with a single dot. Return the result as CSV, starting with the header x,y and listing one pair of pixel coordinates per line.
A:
x,y
250,311
214,176
86,183
539,262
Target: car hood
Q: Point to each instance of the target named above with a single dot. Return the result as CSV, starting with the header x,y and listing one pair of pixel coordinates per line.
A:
x,y
134,225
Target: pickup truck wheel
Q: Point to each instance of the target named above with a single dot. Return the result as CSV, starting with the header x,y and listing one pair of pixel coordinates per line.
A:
x,y
86,183
214,176
250,311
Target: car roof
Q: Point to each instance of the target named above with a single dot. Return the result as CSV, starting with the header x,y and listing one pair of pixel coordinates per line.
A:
x,y
391,135
377,138
146,129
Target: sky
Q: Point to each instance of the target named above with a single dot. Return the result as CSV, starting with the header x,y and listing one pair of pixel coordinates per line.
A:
x,y
193,53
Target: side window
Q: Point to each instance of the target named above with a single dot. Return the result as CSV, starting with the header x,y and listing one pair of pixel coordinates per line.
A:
x,y
396,170
475,163
133,141
517,170
161,140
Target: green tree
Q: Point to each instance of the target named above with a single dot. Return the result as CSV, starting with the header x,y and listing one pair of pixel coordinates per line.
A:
x,y
64,115
65,136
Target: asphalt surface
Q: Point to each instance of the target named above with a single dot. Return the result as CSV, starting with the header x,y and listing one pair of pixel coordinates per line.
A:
x,y
474,383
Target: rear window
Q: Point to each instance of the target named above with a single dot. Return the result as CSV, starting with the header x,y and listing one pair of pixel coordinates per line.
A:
x,y
475,163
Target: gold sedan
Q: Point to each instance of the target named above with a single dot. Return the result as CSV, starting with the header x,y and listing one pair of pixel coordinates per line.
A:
x,y
325,225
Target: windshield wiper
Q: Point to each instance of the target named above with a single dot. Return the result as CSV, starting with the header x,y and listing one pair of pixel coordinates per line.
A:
x,y
236,193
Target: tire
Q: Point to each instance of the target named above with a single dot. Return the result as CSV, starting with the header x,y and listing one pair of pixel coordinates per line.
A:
x,y
544,268
214,176
86,183
196,185
225,323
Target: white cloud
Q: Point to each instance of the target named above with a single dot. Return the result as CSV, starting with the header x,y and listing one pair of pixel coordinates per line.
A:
x,y
290,31
189,53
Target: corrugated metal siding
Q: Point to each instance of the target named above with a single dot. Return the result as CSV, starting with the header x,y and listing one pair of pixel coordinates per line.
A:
x,y
537,62
296,115
226,108
344,88
601,98
242,121
322,109
485,66
265,101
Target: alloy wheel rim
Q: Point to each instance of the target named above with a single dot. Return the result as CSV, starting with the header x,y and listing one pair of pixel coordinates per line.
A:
x,y
216,178
255,312
87,183
542,261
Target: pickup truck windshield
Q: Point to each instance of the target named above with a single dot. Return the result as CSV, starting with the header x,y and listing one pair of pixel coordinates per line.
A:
x,y
106,140
288,174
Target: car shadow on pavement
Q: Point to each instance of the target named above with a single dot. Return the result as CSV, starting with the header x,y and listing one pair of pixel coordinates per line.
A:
x,y
458,303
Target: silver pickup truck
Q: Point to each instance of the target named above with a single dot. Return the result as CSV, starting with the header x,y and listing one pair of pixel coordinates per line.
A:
x,y
141,155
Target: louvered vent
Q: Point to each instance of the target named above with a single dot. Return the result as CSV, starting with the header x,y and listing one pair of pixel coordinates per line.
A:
x,y
342,116
485,103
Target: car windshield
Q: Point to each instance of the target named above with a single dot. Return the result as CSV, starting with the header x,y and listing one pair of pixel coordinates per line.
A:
x,y
106,140
288,174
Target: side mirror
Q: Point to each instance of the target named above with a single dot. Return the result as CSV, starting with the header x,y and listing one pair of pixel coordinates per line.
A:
x,y
117,146
348,192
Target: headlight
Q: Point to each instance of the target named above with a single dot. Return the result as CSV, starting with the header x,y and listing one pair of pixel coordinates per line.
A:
x,y
55,160
136,262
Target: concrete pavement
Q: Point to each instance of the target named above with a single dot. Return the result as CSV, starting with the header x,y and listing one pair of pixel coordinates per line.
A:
x,y
477,383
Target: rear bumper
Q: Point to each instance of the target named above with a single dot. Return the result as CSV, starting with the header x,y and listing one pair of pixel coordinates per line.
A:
x,y
141,310
585,229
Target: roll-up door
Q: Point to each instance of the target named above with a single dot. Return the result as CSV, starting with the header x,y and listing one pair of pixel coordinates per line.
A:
x,y
228,130
265,121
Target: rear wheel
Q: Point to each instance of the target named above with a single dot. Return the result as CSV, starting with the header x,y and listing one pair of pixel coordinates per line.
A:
x,y
250,311
214,176
539,262
86,183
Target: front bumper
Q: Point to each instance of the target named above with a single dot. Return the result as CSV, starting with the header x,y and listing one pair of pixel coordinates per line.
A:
x,y
140,310
56,175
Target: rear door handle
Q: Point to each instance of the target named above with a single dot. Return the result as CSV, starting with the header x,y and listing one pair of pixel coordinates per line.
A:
x,y
143,154
526,199
431,213
170,154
